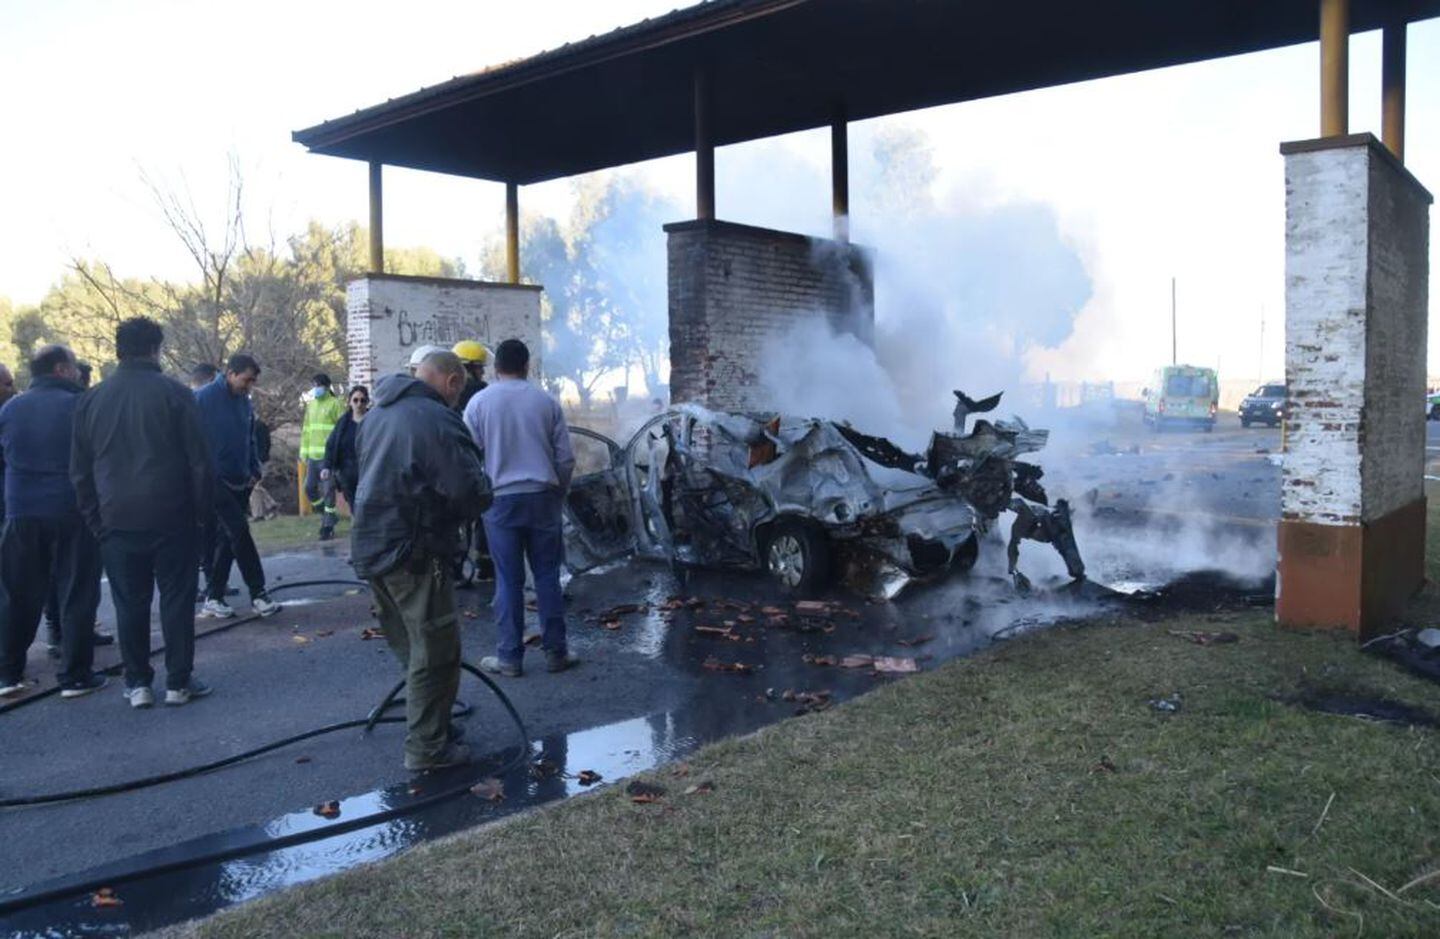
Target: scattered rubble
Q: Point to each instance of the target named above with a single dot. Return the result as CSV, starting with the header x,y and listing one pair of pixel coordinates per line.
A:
x,y
544,768
1202,638
490,789
105,898
1168,705
713,664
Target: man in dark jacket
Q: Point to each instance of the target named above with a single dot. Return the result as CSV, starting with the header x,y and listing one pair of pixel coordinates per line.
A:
x,y
229,422
7,391
420,479
143,483
46,542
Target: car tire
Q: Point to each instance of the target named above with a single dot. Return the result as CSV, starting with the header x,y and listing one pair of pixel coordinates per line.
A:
x,y
1435,412
797,555
966,555
1244,422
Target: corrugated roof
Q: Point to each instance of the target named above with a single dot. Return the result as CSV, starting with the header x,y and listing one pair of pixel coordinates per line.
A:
x,y
778,66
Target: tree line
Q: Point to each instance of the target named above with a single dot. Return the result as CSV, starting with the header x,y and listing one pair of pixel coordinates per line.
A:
x,y
282,299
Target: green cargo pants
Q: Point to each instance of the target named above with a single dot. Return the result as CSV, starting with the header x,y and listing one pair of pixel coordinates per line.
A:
x,y
416,603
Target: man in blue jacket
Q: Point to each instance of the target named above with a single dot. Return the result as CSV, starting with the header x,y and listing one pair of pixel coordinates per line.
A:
x,y
46,540
229,422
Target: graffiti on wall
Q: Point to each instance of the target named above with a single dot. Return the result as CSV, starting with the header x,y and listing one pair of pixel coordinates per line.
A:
x,y
388,318
439,329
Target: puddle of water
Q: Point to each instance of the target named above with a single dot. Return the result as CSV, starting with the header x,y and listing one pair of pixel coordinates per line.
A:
x,y
615,751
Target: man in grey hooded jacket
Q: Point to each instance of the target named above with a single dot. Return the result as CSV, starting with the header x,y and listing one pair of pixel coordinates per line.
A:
x,y
421,477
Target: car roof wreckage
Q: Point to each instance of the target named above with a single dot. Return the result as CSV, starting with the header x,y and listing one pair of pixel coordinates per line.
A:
x,y
770,491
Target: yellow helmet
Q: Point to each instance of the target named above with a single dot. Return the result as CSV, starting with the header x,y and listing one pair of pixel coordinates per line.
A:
x,y
470,351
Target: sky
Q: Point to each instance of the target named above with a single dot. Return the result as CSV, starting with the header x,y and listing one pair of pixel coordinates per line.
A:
x,y
1170,173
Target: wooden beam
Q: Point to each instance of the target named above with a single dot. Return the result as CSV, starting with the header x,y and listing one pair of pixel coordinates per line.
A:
x,y
1392,96
840,177
1334,68
704,149
377,222
512,232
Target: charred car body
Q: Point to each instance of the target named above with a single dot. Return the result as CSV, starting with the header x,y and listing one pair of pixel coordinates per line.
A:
x,y
808,499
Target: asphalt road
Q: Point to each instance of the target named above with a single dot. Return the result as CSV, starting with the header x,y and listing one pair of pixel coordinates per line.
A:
x,y
309,666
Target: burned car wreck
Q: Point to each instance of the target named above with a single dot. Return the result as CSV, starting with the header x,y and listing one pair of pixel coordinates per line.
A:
x,y
809,500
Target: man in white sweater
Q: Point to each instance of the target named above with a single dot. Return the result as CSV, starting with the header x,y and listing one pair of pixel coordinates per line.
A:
x,y
522,435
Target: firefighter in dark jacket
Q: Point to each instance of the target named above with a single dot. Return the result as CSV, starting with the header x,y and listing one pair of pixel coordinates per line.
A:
x,y
144,483
420,478
46,544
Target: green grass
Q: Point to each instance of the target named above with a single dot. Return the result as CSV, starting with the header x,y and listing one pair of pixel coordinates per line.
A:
x,y
1028,791
292,531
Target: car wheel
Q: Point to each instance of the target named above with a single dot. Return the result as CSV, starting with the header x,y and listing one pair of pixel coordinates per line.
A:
x,y
1244,422
797,555
1435,412
966,554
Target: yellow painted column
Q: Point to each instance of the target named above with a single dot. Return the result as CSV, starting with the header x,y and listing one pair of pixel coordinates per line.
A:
x,y
1334,68
512,233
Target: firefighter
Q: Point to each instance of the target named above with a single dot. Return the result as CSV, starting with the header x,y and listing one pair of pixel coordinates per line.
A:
x,y
474,356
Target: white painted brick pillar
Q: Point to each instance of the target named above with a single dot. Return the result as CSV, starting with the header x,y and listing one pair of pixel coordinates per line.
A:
x,y
1352,528
388,315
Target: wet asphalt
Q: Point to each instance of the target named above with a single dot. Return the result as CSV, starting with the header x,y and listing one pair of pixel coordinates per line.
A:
x,y
646,691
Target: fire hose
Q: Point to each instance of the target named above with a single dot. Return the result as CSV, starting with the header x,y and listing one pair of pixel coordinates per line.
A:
x,y
375,716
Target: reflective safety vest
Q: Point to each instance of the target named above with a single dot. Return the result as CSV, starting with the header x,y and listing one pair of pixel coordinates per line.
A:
x,y
321,415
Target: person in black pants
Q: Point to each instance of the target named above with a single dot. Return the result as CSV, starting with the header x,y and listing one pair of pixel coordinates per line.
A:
x,y
45,540
200,375
342,460
52,604
143,483
229,422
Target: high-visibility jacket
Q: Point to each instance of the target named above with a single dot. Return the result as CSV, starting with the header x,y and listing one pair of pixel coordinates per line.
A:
x,y
321,415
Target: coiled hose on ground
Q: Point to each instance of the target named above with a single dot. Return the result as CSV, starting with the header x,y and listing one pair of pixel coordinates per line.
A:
x,y
337,827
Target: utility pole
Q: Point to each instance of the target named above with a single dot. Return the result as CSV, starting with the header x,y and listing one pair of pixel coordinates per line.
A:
x,y
1174,357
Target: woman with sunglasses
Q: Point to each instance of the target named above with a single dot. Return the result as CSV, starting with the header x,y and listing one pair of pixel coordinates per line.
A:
x,y
341,459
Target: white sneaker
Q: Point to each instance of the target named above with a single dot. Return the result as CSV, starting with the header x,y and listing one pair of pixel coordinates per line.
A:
x,y
9,691
141,697
264,606
178,696
216,609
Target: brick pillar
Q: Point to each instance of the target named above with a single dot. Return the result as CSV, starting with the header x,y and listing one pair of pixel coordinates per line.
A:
x,y
733,288
388,315
1352,528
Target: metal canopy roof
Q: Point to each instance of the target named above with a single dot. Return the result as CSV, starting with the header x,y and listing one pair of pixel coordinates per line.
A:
x,y
778,66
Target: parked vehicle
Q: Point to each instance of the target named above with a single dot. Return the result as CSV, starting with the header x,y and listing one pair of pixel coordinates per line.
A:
x,y
1182,395
1264,405
1432,405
